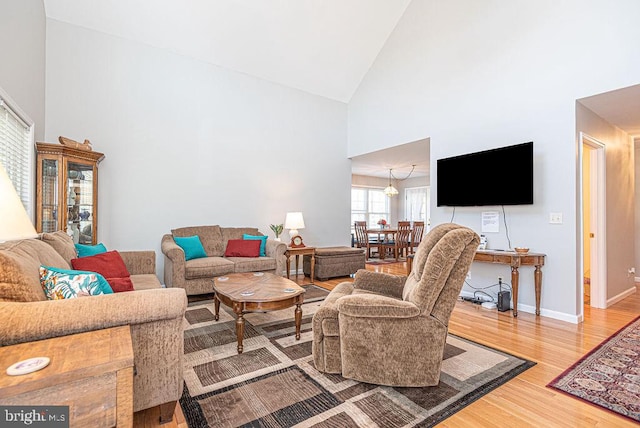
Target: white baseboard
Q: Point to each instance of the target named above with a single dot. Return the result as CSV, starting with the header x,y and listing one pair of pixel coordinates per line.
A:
x,y
615,299
573,319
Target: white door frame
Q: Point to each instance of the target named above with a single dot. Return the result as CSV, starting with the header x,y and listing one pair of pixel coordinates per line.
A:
x,y
598,221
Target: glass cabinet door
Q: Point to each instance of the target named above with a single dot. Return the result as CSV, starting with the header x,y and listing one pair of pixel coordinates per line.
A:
x,y
49,208
67,191
80,202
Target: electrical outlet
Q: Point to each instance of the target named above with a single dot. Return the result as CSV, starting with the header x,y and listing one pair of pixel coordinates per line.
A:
x,y
555,218
631,271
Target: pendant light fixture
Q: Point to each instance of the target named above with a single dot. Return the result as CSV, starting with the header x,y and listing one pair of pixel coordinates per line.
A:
x,y
392,191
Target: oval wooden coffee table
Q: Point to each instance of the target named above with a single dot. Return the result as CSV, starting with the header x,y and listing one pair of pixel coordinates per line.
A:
x,y
256,292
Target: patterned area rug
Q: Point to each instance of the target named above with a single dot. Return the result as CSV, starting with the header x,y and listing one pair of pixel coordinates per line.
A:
x,y
609,375
273,383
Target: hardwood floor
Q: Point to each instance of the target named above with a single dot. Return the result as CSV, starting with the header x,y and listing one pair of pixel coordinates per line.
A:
x,y
524,401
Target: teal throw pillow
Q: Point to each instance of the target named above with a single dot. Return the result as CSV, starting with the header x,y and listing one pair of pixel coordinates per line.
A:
x,y
68,284
191,246
263,244
90,250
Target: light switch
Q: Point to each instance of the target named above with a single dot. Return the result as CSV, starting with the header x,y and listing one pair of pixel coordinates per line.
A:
x,y
555,218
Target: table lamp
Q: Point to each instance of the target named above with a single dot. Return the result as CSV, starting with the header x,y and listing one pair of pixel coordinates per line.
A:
x,y
293,222
14,221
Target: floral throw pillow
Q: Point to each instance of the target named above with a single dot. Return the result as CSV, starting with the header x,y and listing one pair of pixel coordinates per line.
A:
x,y
66,284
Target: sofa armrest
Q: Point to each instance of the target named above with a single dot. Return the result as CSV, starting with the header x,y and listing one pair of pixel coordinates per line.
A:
x,y
139,262
171,250
29,321
276,250
174,262
365,305
380,283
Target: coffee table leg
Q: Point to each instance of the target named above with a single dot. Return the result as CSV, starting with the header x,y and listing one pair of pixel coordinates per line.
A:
x,y
298,313
216,307
240,331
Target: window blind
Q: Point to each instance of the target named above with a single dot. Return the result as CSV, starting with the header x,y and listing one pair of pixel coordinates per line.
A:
x,y
15,151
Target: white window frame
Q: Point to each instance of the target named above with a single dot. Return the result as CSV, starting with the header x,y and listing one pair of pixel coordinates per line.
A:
x,y
17,156
371,217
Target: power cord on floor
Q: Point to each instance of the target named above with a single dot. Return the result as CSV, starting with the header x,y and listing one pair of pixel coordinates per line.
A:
x,y
479,291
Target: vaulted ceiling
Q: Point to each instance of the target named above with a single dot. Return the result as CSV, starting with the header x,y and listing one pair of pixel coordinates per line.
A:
x,y
324,47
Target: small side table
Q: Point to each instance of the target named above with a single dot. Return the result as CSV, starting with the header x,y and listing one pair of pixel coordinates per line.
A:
x,y
91,372
300,251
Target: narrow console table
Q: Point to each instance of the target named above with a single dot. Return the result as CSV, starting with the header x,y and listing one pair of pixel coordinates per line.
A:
x,y
515,260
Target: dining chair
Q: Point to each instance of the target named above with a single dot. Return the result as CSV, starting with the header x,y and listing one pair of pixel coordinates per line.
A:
x,y
362,238
416,235
399,245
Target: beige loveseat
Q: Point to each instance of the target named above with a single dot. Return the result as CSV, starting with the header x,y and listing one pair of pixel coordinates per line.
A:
x,y
154,314
196,275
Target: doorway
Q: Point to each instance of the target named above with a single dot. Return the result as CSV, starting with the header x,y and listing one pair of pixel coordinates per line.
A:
x,y
592,182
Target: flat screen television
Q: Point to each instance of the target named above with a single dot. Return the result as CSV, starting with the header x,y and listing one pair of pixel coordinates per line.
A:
x,y
502,176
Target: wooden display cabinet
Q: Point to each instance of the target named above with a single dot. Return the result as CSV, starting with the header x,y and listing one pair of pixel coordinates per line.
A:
x,y
67,191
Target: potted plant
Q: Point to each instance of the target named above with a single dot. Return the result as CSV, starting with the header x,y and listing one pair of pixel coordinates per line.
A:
x,y
277,229
382,223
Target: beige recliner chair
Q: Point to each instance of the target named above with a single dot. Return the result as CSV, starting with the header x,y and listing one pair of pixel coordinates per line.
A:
x,y
391,330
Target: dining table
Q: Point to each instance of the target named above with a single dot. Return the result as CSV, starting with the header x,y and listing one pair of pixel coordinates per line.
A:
x,y
389,235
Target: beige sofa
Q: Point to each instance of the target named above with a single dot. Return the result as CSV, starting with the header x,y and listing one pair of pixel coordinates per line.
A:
x,y
154,314
196,275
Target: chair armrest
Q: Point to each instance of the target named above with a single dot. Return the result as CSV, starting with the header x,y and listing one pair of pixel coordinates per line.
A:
x,y
139,262
379,283
366,305
25,322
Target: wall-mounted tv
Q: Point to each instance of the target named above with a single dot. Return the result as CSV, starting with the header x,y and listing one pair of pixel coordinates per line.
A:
x,y
502,176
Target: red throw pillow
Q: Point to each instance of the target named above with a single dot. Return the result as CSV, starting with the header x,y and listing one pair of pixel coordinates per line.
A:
x,y
110,265
242,248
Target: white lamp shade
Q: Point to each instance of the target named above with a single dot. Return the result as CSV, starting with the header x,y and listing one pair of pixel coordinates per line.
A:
x,y
390,190
294,221
14,221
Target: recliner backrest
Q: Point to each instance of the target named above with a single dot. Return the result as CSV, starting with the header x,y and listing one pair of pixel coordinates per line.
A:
x,y
440,266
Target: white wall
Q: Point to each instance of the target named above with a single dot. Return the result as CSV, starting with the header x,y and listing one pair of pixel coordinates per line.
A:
x,y
22,57
188,143
474,75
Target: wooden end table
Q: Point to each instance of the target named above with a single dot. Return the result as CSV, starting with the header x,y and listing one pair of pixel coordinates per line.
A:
x,y
300,251
90,372
251,292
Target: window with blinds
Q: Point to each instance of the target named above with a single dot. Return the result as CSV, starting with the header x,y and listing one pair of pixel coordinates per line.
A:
x,y
16,140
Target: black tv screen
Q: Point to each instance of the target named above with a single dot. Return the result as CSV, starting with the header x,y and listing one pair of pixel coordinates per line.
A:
x,y
502,176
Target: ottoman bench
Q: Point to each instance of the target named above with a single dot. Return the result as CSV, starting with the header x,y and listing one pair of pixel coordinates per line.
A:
x,y
334,261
